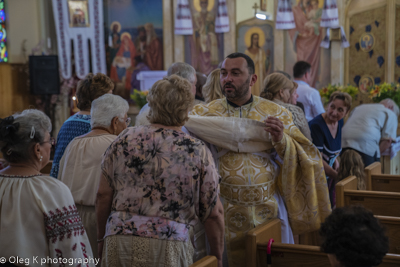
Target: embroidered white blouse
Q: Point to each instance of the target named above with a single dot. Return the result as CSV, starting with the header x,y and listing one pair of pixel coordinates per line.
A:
x,y
39,220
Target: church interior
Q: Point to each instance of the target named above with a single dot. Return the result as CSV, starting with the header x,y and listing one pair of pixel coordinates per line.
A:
x,y
200,132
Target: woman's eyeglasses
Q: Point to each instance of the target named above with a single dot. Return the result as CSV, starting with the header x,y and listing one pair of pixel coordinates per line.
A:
x,y
52,141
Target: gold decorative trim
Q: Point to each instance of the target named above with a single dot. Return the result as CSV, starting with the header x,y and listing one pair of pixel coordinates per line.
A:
x,y
247,195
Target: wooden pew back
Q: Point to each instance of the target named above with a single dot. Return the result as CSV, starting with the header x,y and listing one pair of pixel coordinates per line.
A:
x,y
207,261
349,183
374,168
261,234
385,183
376,181
288,255
380,203
392,226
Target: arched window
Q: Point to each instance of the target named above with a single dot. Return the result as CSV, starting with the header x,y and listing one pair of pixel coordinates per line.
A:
x,y
3,34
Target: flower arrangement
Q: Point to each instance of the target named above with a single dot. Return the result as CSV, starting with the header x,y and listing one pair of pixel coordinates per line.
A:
x,y
327,91
385,90
140,97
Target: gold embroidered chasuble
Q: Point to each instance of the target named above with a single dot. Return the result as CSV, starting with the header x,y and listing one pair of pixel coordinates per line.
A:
x,y
250,180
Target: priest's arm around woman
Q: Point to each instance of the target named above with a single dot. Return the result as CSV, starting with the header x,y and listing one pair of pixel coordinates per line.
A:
x,y
157,183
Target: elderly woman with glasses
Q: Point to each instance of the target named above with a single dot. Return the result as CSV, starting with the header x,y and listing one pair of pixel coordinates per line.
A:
x,y
157,184
80,166
38,217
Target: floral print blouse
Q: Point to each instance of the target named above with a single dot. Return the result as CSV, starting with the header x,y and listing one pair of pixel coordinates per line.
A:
x,y
163,181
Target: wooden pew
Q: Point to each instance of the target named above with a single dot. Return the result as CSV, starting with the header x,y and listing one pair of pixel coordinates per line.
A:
x,y
376,181
288,255
207,261
380,203
392,226
385,206
261,234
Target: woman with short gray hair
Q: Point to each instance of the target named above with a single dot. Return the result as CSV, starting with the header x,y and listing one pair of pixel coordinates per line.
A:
x,y
106,110
37,213
80,165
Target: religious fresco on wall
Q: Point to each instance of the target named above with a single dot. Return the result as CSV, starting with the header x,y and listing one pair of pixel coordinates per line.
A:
x,y
3,34
367,41
78,13
204,50
134,38
365,82
303,42
255,39
367,51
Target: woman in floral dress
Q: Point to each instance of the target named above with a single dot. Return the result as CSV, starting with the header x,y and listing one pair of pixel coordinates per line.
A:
x,y
157,183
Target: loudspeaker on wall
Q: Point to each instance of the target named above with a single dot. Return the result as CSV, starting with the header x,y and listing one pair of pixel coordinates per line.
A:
x,y
44,75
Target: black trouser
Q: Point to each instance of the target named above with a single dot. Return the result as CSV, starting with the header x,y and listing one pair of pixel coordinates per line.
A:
x,y
368,160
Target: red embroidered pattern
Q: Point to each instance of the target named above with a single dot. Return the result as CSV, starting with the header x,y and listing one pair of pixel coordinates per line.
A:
x,y
84,250
59,254
63,223
81,62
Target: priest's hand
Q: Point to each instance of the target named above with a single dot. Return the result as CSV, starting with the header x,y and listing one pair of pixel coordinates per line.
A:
x,y
275,127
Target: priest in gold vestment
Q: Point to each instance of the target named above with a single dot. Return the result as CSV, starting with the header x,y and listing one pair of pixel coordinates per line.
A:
x,y
255,188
